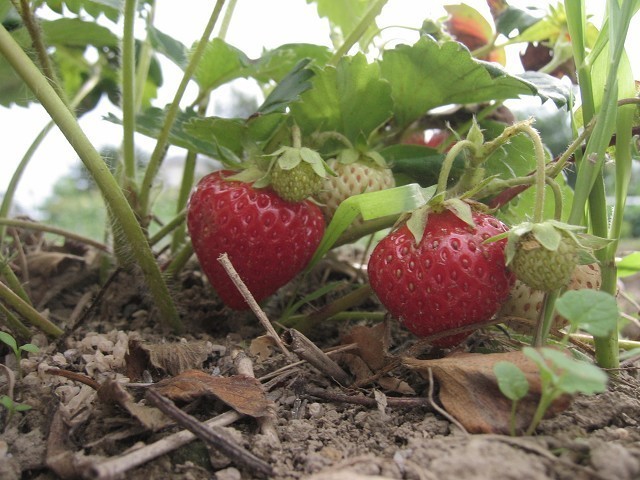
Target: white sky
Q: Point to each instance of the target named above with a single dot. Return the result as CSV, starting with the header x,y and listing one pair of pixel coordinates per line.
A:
x,y
256,25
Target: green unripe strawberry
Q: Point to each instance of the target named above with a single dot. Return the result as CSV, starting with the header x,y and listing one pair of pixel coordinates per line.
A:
x,y
521,311
542,268
296,184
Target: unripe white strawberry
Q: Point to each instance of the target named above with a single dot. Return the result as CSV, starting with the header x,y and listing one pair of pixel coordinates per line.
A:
x,y
351,179
521,310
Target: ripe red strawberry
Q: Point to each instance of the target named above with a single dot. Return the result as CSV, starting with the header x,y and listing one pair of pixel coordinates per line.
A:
x,y
268,240
447,280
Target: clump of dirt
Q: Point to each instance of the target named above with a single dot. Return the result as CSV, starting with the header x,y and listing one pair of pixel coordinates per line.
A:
x,y
316,428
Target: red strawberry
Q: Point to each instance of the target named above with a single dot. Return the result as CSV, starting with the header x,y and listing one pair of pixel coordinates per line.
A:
x,y
268,240
447,280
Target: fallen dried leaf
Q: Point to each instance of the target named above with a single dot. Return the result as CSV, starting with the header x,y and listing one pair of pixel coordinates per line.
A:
x,y
262,347
241,392
373,343
469,390
173,358
112,392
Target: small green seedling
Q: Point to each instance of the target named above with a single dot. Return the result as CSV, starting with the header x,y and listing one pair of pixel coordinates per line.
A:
x,y
17,350
12,407
592,311
514,385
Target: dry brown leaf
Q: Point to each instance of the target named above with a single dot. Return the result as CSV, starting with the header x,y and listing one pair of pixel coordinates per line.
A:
x,y
46,264
112,392
469,390
373,343
262,347
173,358
241,392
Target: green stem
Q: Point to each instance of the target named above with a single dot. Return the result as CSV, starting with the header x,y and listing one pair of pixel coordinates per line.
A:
x,y
186,184
9,275
226,20
15,325
128,94
448,163
538,212
350,300
296,136
179,260
28,225
113,196
557,198
546,398
9,194
359,31
41,49
544,320
27,311
144,58
168,228
163,137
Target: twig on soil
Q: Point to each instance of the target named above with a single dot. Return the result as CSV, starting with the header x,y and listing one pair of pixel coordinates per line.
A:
x,y
392,402
307,350
211,435
77,377
246,294
267,424
441,410
116,466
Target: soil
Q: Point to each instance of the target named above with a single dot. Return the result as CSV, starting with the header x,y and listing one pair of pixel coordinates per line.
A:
x,y
71,428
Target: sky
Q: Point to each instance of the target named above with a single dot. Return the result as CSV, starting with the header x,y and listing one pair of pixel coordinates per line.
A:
x,y
256,25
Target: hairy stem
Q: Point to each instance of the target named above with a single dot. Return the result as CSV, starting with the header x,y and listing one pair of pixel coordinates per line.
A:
x,y
162,142
113,195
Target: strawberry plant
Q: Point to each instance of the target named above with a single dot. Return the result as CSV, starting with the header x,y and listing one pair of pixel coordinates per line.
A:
x,y
340,131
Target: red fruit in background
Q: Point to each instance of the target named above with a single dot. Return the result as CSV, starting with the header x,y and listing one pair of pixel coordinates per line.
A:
x,y
449,280
268,240
432,137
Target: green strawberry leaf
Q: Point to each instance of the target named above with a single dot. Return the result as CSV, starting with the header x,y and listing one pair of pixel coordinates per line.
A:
x,y
575,376
277,63
517,159
29,347
350,99
629,265
220,63
517,19
512,381
346,17
289,89
419,164
171,48
591,310
428,75
549,87
74,32
7,339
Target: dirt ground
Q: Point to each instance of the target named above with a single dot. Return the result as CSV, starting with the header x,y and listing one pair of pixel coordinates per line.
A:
x,y
311,427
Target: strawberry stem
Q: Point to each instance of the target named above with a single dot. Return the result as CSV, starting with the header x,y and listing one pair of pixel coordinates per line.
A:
x,y
448,162
540,176
296,136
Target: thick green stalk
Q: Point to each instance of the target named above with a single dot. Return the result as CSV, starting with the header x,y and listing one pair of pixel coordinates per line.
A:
x,y
9,194
113,196
39,227
28,312
357,32
144,58
19,329
128,72
163,137
590,169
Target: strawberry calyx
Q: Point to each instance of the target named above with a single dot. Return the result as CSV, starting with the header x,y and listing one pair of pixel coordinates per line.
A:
x,y
544,254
